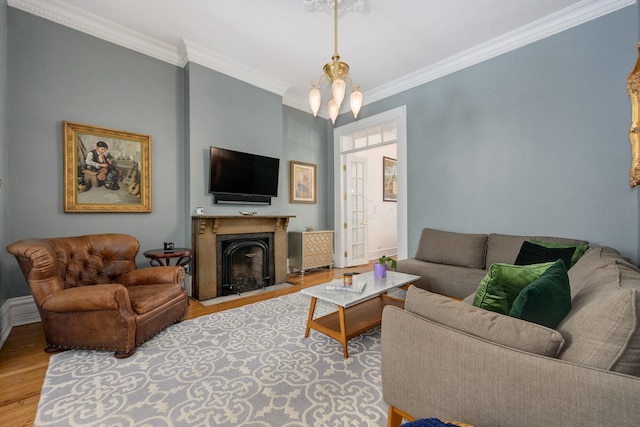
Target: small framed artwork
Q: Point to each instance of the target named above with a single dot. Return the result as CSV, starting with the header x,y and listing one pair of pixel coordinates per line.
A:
x,y
106,170
302,182
389,179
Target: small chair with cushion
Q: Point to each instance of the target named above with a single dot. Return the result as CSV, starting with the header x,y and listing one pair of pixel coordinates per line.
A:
x,y
90,295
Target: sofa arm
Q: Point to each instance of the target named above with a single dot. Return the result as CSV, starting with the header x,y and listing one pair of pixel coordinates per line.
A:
x,y
152,276
89,298
429,370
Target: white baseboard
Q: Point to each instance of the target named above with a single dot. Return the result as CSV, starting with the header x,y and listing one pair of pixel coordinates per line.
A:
x,y
374,255
16,312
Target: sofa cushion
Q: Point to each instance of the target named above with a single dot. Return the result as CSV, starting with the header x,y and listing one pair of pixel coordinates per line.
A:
x,y
579,248
443,279
504,248
532,253
546,300
501,286
491,326
446,247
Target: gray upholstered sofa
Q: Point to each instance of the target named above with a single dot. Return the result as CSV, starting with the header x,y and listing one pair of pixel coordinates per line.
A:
x,y
447,359
453,264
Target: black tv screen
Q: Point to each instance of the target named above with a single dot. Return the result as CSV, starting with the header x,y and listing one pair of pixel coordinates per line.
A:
x,y
234,172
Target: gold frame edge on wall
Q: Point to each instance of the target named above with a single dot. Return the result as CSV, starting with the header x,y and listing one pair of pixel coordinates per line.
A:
x,y
138,186
633,87
310,173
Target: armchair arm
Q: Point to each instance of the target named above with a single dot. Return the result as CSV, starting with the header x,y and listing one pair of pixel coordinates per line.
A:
x,y
429,370
89,298
152,276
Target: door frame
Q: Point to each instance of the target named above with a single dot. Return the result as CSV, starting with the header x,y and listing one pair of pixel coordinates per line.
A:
x,y
400,115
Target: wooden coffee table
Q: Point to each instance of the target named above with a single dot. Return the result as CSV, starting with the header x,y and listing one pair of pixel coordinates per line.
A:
x,y
357,312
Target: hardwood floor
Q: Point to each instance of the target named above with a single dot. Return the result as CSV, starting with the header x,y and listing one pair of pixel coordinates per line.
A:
x,y
23,362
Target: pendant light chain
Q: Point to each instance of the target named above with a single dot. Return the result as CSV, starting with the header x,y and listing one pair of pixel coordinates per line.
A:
x,y
335,29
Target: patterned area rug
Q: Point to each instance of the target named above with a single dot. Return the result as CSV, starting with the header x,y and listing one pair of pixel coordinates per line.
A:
x,y
248,366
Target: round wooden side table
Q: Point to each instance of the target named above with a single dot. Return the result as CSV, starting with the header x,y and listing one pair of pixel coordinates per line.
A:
x,y
159,257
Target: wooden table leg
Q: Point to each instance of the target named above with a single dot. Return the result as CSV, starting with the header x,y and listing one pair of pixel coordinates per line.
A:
x,y
394,417
312,309
343,331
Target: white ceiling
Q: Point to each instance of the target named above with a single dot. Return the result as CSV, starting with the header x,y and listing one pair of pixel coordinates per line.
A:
x,y
280,46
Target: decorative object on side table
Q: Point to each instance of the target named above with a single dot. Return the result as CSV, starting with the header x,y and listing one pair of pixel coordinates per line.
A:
x,y
380,267
160,257
347,278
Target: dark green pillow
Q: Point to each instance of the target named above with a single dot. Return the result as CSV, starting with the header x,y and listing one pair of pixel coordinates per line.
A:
x,y
547,300
580,248
501,286
533,253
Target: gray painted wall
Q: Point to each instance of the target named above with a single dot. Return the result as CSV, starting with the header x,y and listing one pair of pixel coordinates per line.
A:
x,y
305,140
57,74
532,142
228,113
4,257
225,112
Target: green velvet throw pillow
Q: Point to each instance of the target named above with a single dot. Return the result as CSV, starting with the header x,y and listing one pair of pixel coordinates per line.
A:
x,y
579,251
547,300
501,286
533,253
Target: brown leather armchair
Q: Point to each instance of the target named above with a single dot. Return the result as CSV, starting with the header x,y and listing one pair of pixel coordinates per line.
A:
x,y
90,294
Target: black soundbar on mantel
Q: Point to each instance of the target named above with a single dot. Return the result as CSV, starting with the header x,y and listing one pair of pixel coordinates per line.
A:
x,y
241,199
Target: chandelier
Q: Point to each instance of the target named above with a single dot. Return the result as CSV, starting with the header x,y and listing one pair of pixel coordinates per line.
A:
x,y
335,72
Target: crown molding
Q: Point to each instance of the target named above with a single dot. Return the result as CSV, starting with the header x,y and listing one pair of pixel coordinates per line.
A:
x,y
192,52
88,23
78,19
558,22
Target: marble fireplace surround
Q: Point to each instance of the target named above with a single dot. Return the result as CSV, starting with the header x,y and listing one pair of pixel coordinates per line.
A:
x,y
204,232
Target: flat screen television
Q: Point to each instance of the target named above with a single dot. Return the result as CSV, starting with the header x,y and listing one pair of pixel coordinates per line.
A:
x,y
235,176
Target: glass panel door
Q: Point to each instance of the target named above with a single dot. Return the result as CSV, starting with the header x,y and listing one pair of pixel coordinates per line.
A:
x,y
356,211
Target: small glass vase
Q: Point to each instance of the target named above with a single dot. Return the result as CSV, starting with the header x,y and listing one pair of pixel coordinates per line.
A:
x,y
379,271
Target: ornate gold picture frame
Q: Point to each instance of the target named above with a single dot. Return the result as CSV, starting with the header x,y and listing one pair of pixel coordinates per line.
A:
x,y
633,87
106,170
302,182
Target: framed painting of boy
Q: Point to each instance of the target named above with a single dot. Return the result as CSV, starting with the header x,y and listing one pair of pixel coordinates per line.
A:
x,y
106,170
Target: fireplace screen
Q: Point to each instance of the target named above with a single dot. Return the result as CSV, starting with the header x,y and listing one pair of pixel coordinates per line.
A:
x,y
246,264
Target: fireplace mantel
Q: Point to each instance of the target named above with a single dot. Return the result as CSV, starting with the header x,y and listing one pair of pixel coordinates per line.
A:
x,y
204,232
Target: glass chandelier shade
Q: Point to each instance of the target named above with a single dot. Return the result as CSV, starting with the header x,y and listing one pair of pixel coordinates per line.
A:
x,y
334,109
356,102
338,89
336,72
315,98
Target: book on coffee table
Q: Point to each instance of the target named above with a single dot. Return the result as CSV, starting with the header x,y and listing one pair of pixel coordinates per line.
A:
x,y
338,285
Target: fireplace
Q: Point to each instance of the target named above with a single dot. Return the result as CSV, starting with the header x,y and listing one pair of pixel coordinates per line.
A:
x,y
245,262
267,233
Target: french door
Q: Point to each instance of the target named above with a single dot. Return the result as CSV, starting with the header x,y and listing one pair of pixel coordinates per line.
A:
x,y
356,211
